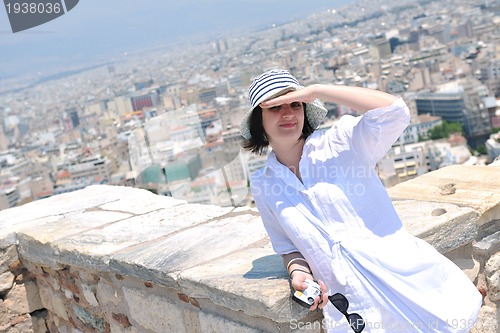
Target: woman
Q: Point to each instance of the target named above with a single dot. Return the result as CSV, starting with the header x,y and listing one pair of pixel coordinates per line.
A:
x,y
331,219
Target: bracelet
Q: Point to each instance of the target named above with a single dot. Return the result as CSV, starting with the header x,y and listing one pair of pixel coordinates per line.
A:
x,y
295,259
300,270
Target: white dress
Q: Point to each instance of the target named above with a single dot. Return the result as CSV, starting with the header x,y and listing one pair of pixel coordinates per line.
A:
x,y
341,219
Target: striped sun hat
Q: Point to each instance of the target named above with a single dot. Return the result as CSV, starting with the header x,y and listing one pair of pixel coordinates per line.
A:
x,y
274,83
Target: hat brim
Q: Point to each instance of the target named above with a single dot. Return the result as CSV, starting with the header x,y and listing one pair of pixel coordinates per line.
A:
x,y
315,112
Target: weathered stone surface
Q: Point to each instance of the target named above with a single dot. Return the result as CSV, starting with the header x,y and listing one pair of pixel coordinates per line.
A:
x,y
117,328
6,281
39,324
53,302
38,243
191,320
153,312
210,323
444,226
5,316
93,248
89,295
66,203
487,321
469,266
488,245
230,281
21,324
492,272
190,247
8,232
142,202
122,319
8,255
469,186
89,319
23,298
106,294
73,224
60,206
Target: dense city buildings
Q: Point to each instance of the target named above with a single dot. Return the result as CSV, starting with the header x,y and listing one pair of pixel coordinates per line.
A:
x,y
167,120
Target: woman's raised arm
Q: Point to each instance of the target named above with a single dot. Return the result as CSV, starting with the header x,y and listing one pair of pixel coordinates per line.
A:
x,y
356,98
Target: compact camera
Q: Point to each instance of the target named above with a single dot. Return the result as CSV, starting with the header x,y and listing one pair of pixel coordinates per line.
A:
x,y
306,297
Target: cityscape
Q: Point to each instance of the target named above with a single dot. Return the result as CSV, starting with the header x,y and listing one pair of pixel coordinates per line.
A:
x,y
167,120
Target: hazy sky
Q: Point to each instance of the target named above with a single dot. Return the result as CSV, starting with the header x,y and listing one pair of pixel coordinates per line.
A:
x,y
98,30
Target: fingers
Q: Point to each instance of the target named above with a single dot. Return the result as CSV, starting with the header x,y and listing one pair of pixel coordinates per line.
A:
x,y
322,300
276,101
293,96
306,95
324,295
298,279
299,284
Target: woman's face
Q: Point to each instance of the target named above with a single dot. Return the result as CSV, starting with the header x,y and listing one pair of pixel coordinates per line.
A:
x,y
283,123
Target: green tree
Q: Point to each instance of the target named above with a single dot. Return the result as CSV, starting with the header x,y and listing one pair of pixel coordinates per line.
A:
x,y
481,149
444,130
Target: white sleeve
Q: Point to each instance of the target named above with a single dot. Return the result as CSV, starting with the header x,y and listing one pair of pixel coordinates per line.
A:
x,y
379,128
373,134
279,240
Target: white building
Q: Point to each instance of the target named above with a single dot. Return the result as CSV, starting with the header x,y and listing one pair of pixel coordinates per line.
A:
x,y
493,146
419,129
9,197
95,167
408,161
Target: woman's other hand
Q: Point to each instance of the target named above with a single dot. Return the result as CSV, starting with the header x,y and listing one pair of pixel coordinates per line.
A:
x,y
322,300
298,283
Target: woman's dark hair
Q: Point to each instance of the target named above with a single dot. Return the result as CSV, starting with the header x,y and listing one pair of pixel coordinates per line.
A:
x,y
258,142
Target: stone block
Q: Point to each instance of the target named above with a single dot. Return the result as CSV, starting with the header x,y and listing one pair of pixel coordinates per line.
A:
x,y
469,266
211,323
253,281
39,324
117,328
153,312
492,273
141,202
67,203
445,226
23,298
106,294
92,248
469,186
53,302
488,245
8,255
20,324
37,243
160,261
59,207
191,321
6,281
487,321
89,295
89,319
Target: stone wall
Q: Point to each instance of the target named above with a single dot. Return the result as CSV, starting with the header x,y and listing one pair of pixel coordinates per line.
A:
x,y
119,259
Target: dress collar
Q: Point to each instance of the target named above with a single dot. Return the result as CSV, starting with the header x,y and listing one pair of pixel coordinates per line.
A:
x,y
274,167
